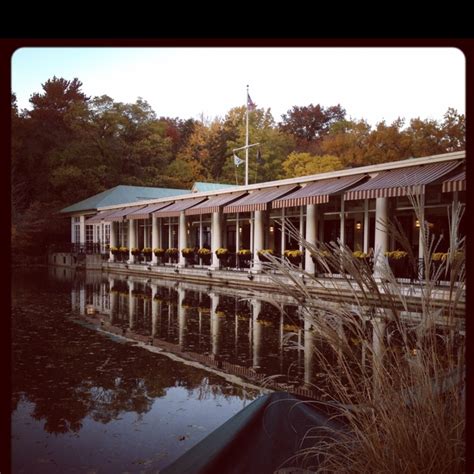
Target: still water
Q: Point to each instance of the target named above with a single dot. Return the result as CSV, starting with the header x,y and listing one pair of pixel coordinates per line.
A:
x,y
87,397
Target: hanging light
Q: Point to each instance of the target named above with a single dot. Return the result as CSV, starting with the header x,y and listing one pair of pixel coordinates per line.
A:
x,y
417,223
271,228
358,225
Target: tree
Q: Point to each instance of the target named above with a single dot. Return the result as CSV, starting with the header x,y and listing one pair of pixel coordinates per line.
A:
x,y
309,124
303,164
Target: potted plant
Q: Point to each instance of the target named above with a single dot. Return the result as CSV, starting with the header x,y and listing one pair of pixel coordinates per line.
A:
x,y
243,257
188,253
147,251
205,256
293,256
222,254
262,254
398,261
172,254
123,253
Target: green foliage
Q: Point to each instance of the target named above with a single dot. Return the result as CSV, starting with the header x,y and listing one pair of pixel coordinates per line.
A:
x,y
68,147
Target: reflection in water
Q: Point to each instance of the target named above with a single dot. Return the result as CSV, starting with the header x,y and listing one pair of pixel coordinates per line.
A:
x,y
82,401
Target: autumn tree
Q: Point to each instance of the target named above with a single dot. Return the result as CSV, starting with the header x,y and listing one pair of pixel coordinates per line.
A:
x,y
309,124
303,164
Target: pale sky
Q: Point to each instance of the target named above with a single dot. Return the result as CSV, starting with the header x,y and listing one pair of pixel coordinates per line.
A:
x,y
372,83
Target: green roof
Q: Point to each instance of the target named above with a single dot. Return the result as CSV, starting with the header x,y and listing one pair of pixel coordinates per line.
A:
x,y
123,195
200,187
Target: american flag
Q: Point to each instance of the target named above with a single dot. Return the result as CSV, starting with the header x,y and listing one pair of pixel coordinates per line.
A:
x,y
250,105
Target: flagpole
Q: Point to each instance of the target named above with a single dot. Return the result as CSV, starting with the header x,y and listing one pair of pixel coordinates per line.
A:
x,y
247,139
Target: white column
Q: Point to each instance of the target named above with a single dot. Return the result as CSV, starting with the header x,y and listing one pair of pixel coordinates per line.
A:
x,y
237,233
301,226
200,231
258,239
216,236
381,236
154,239
73,234
131,239
113,240
182,238
308,351
181,317
421,240
82,230
131,305
283,230
311,232
215,323
342,229
154,310
256,332
251,232
366,225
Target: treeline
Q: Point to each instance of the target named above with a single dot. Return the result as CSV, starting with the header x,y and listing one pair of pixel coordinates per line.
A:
x,y
68,146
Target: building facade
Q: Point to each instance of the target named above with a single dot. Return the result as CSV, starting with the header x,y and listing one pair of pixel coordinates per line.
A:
x,y
347,207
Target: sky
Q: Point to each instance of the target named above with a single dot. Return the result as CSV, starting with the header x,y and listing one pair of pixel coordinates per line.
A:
x,y
371,83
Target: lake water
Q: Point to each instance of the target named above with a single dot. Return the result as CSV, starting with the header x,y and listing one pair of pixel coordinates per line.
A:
x,y
88,398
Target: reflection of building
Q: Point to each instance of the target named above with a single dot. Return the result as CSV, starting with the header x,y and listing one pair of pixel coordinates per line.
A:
x,y
341,205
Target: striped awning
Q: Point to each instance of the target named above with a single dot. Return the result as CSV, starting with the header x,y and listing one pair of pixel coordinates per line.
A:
x,y
214,204
456,183
100,216
175,209
318,192
259,200
145,212
120,214
401,181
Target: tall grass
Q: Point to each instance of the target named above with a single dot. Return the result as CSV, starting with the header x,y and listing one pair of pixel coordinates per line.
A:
x,y
392,355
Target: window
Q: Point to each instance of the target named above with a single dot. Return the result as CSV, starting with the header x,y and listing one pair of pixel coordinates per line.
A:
x,y
89,234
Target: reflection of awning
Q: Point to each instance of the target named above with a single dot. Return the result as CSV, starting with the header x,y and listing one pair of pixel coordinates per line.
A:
x,y
317,192
146,211
258,200
456,183
101,215
121,213
175,209
214,203
402,181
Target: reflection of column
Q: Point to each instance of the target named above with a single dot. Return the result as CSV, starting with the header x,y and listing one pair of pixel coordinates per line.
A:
x,y
182,238
257,332
378,330
131,304
154,238
82,299
154,310
131,239
73,299
308,352
258,240
311,231
381,236
215,323
113,299
181,317
216,237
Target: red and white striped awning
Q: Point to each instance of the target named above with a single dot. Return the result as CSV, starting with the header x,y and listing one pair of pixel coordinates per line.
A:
x,y
456,183
120,214
175,209
100,216
214,204
145,212
402,181
259,200
318,192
